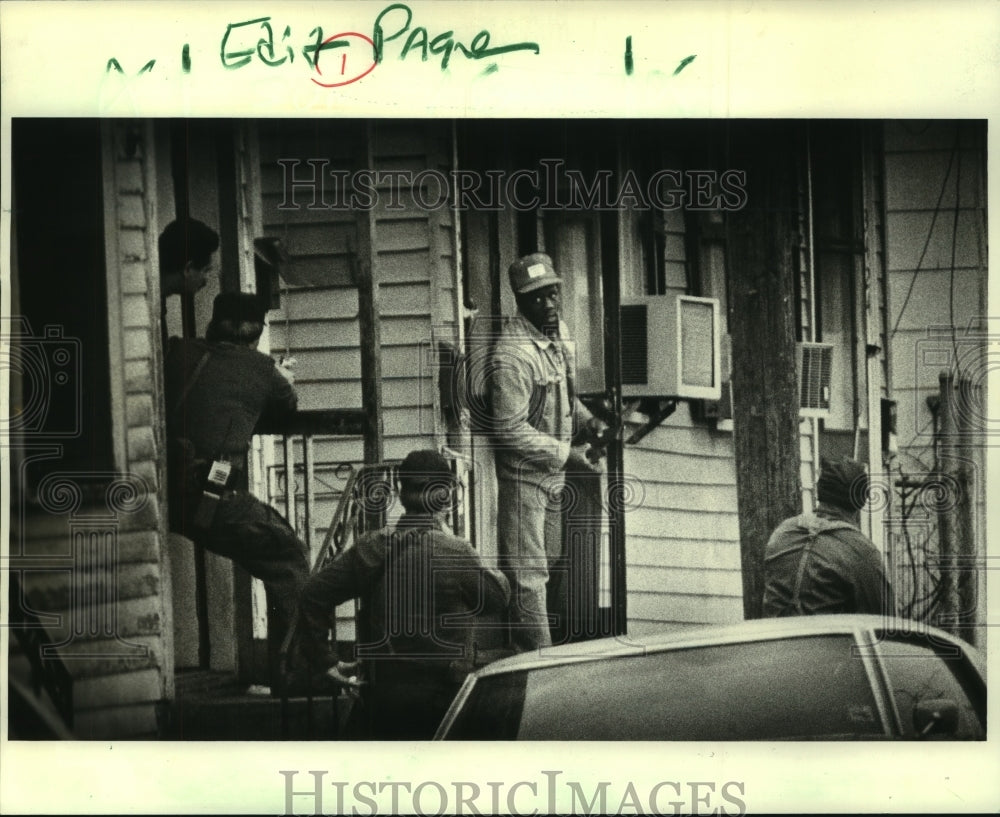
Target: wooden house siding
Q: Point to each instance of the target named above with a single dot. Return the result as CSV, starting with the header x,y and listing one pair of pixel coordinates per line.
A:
x,y
924,169
127,706
104,599
318,324
681,528
683,538
682,548
414,270
936,282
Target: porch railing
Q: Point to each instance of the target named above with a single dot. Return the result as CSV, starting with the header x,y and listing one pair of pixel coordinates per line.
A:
x,y
307,425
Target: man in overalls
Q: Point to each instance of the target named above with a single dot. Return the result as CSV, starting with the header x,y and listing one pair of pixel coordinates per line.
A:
x,y
821,562
536,419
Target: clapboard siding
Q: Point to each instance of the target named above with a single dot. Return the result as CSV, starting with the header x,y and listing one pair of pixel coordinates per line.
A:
x,y
808,468
929,296
414,272
931,279
102,599
911,231
659,610
319,302
682,526
702,581
681,522
316,238
679,495
312,334
907,173
127,701
693,553
403,266
936,282
666,523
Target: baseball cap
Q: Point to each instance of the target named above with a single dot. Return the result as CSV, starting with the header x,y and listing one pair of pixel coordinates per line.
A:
x,y
532,272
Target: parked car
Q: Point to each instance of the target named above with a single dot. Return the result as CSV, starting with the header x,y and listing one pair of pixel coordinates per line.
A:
x,y
839,677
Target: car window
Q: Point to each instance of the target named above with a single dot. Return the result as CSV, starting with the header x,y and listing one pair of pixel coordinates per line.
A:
x,y
493,709
797,688
920,671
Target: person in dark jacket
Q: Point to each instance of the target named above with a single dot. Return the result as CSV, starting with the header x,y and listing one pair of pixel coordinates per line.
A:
x,y
217,390
821,562
427,595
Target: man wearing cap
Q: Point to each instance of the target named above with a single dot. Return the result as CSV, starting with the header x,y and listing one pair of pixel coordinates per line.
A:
x,y
821,562
427,594
536,419
217,390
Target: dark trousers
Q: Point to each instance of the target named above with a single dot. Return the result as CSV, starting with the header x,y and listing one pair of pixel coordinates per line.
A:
x,y
259,539
408,700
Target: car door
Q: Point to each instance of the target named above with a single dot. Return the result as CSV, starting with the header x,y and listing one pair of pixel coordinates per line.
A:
x,y
933,685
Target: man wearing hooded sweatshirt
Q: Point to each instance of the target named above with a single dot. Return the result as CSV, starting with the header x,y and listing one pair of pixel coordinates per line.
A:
x,y
821,562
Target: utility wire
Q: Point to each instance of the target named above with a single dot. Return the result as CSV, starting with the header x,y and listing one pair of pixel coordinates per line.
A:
x,y
930,232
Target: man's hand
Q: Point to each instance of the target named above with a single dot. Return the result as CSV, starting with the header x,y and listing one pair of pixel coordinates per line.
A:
x,y
596,435
284,367
596,430
344,674
579,461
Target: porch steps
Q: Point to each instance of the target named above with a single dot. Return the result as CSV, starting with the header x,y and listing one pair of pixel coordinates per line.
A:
x,y
212,705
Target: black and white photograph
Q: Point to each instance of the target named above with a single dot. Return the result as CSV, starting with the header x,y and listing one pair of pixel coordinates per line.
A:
x,y
655,441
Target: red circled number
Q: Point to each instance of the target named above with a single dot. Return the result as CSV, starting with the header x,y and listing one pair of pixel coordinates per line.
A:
x,y
343,62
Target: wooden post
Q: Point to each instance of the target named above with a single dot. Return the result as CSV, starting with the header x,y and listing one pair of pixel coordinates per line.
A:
x,y
948,489
610,226
762,245
968,560
368,320
179,149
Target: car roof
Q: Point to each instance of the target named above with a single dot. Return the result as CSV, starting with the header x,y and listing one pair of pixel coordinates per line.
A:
x,y
764,629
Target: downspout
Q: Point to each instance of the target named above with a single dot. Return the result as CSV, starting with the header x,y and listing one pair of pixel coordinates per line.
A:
x,y
462,435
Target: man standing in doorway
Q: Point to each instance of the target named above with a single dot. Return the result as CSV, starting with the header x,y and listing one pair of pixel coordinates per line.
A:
x,y
187,249
537,418
187,254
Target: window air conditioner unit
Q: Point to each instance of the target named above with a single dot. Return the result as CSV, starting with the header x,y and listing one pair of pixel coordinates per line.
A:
x,y
670,347
721,410
815,362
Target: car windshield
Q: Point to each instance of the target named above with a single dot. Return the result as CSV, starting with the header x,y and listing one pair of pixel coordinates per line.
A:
x,y
805,688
